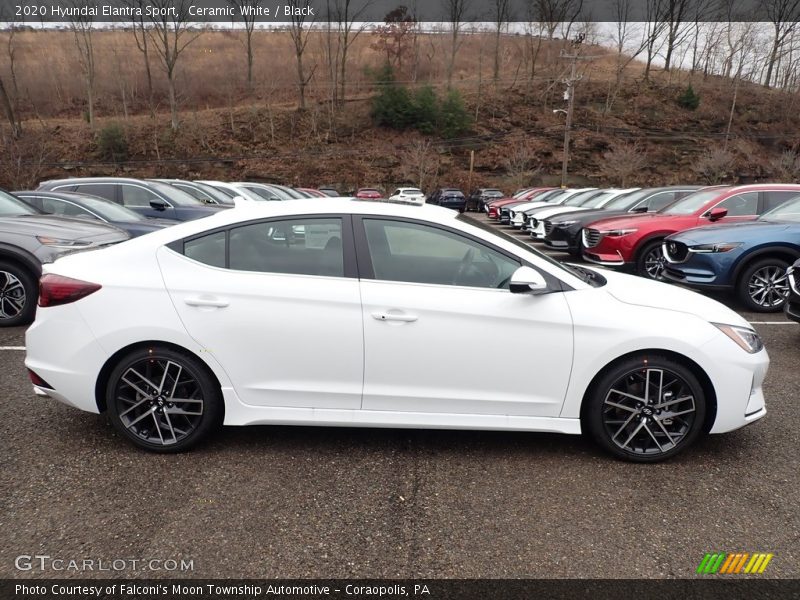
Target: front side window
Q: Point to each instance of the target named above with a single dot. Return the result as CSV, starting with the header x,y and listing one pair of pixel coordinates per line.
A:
x,y
296,246
54,206
659,201
416,253
741,205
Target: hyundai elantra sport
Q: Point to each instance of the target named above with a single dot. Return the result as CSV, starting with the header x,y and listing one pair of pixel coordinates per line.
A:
x,y
353,313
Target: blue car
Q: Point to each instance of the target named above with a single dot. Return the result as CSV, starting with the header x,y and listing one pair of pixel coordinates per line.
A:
x,y
749,259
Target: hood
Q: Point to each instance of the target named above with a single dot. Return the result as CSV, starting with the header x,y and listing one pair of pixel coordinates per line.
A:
x,y
558,211
589,215
733,232
630,220
640,291
62,228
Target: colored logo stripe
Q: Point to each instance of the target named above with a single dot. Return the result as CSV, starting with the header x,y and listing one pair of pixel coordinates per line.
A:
x,y
734,563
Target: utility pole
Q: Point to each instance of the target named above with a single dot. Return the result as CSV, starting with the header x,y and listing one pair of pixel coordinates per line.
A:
x,y
569,95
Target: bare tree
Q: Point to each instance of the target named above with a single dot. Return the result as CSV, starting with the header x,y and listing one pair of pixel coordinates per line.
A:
x,y
170,34
715,166
624,160
655,25
784,16
552,13
502,15
247,11
82,27
455,11
521,164
140,35
419,156
676,13
625,31
300,34
348,16
786,167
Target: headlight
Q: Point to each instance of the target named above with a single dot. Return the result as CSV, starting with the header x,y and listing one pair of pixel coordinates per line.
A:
x,y
747,339
619,232
565,223
59,243
709,248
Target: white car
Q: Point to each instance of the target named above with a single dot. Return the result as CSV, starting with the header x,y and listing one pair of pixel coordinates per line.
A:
x,y
536,225
370,319
408,194
518,216
234,190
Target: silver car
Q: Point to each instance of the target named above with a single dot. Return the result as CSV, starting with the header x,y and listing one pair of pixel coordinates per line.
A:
x,y
29,238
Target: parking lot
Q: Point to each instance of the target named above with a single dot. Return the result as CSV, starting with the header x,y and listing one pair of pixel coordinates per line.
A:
x,y
318,502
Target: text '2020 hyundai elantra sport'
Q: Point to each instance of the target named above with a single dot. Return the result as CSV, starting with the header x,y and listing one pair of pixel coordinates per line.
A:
x,y
353,313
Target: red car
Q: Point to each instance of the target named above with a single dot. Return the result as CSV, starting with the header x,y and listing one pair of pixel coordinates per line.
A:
x,y
314,192
368,194
635,241
493,208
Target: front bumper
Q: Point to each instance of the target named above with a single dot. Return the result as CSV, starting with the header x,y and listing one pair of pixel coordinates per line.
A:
x,y
561,238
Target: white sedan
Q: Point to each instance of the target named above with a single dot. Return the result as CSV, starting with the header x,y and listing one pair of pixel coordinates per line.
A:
x,y
408,194
536,227
358,313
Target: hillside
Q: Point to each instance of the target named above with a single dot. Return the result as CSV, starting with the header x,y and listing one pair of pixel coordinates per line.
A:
x,y
258,133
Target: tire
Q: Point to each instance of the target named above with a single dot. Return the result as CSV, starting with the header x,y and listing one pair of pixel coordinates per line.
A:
x,y
18,294
644,266
651,433
147,415
763,286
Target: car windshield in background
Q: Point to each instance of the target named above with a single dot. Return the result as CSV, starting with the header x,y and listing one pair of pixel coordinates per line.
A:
x,y
12,207
788,211
626,201
581,197
691,203
176,196
586,275
111,211
597,200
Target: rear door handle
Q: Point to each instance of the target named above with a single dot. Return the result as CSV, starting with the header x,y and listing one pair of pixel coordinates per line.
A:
x,y
390,316
206,301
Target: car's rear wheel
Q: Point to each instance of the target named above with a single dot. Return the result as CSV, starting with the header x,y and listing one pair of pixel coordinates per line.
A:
x,y
764,285
651,261
646,409
17,295
163,400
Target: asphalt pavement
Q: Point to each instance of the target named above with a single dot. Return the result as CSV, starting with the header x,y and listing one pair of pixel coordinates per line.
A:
x,y
266,502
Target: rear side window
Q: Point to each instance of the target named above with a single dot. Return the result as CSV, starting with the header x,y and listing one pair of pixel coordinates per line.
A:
x,y
104,190
775,199
209,249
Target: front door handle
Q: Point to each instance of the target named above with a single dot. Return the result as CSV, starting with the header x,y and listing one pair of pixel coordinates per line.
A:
x,y
394,316
207,301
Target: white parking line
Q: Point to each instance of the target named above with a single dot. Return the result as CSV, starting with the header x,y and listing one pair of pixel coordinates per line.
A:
x,y
772,323
22,348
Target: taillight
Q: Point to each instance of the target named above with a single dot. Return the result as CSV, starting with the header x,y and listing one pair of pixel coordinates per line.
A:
x,y
57,289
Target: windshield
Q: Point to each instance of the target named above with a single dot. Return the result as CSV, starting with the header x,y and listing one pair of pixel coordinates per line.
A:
x,y
598,200
788,211
548,196
174,195
626,201
581,197
586,275
691,203
11,206
110,211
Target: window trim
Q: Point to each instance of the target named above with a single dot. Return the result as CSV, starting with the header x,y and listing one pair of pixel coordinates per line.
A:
x,y
141,187
367,271
350,268
71,203
759,204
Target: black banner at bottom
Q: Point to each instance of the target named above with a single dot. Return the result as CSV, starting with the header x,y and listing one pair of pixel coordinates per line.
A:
x,y
394,589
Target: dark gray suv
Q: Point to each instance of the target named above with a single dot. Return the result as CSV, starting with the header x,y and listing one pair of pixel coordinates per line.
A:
x,y
28,239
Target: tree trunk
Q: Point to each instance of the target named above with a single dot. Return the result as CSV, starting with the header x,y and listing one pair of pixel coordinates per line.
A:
x,y
773,57
90,100
9,110
301,81
497,55
173,102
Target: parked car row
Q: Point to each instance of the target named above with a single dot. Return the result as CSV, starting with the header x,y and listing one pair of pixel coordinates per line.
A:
x,y
737,239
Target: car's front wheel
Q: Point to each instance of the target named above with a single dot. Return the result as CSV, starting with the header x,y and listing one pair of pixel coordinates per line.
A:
x,y
651,261
764,285
646,409
17,295
163,400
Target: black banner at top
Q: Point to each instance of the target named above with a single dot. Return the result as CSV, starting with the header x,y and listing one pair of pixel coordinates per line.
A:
x,y
265,12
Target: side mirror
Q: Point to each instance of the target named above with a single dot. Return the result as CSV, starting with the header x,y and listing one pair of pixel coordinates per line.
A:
x,y
715,214
639,209
158,205
527,281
